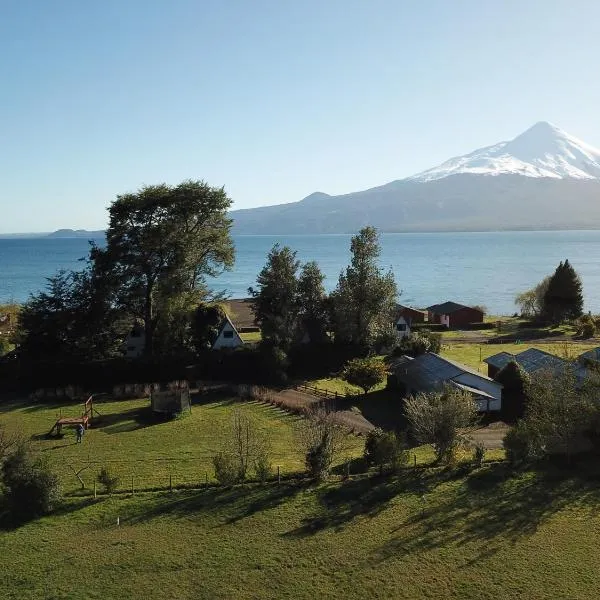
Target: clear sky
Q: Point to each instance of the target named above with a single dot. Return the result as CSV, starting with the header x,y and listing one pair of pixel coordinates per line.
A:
x,y
274,99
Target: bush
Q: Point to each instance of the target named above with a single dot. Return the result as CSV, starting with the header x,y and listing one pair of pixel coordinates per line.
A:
x,y
418,343
385,449
366,373
318,459
108,480
263,467
517,444
31,489
226,468
479,455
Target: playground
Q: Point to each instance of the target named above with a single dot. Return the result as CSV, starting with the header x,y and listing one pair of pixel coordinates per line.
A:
x,y
127,437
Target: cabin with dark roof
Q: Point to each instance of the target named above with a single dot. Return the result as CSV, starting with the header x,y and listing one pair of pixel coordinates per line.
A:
x,y
431,372
452,314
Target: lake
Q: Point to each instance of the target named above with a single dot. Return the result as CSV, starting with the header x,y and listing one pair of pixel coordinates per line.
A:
x,y
472,268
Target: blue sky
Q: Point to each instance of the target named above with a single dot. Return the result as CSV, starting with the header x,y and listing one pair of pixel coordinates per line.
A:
x,y
272,99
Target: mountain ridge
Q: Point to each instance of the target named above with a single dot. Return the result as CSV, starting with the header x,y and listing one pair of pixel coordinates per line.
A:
x,y
524,183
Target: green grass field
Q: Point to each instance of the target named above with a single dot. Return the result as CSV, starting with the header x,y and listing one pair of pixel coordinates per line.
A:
x,y
473,354
127,439
426,534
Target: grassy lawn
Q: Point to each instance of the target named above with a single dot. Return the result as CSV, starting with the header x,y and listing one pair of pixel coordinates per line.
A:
x,y
250,336
425,534
473,354
128,440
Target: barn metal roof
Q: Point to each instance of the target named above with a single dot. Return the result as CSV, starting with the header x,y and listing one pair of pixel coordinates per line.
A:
x,y
430,371
499,360
530,360
593,354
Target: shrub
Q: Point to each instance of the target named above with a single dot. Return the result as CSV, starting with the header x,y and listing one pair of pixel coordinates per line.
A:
x,y
517,444
366,373
479,455
108,479
385,449
263,467
419,342
226,468
441,419
588,330
322,441
319,458
31,489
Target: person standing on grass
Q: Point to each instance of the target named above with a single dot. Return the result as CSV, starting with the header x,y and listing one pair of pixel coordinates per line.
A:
x,y
80,431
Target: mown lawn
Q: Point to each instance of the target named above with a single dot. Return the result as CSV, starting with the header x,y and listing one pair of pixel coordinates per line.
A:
x,y
425,534
473,354
128,440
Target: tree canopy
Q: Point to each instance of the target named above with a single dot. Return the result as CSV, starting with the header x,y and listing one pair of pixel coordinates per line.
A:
x,y
365,298
564,296
275,299
162,242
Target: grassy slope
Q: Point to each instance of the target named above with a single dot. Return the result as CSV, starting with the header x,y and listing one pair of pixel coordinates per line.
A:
x,y
131,443
480,537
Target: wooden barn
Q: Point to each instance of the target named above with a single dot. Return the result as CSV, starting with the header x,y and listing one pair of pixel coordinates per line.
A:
x,y
452,314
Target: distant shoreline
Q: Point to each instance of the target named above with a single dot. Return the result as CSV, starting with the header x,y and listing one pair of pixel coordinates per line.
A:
x,y
85,234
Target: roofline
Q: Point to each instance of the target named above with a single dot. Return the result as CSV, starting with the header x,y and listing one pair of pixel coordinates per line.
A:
x,y
225,321
464,368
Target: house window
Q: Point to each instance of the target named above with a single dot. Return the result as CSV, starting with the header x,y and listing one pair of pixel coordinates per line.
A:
x,y
228,334
401,326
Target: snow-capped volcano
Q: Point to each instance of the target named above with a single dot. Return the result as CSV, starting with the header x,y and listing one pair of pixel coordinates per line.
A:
x,y
542,151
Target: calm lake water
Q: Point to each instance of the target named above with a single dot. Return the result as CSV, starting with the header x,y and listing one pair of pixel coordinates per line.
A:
x,y
472,268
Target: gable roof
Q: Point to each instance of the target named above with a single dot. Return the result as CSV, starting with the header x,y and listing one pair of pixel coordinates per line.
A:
x,y
593,354
224,323
529,360
428,372
447,308
499,360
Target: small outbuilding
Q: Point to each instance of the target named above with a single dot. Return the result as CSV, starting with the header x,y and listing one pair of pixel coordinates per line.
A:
x,y
452,314
170,402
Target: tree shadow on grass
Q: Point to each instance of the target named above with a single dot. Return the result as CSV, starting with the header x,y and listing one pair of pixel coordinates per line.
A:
x,y
237,502
365,496
493,506
127,420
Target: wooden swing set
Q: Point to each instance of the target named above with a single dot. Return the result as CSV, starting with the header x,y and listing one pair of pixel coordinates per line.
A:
x,y
85,419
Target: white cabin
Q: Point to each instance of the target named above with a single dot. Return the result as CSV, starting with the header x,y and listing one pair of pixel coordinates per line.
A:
x,y
228,336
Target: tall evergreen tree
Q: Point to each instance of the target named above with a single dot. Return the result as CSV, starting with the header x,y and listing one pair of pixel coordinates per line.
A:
x,y
312,303
365,298
275,300
564,296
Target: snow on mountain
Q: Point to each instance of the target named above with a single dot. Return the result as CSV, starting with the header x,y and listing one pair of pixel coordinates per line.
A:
x,y
542,151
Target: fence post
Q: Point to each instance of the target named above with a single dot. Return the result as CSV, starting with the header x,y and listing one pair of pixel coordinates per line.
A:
x,y
278,474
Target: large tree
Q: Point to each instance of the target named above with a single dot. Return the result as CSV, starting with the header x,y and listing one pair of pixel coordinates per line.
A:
x,y
275,299
162,242
75,318
312,303
564,296
365,298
